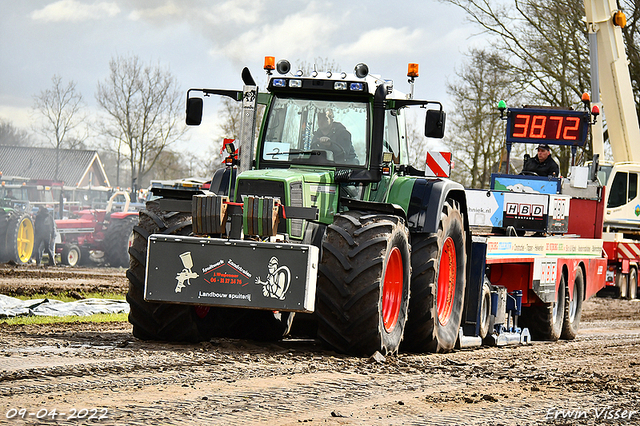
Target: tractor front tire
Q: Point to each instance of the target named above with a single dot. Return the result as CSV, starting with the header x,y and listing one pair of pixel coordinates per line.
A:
x,y
363,283
117,241
71,255
438,282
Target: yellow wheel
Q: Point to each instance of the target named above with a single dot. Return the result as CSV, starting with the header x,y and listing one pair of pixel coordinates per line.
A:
x,y
20,237
25,239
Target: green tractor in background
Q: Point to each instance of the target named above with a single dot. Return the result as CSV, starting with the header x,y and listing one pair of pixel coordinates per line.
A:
x,y
16,225
322,229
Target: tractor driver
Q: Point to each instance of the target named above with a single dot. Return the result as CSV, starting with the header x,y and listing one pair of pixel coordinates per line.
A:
x,y
542,164
333,136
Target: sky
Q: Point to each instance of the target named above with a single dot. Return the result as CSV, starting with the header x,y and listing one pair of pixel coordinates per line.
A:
x,y
205,44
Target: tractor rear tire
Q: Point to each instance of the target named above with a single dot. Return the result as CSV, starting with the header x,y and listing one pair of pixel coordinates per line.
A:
x,y
184,323
573,308
85,256
117,241
438,283
545,321
363,283
4,221
19,238
71,255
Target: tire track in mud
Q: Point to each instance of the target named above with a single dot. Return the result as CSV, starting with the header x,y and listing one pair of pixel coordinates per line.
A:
x,y
233,382
236,382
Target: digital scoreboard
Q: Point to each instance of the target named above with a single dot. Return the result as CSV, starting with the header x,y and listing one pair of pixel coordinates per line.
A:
x,y
550,126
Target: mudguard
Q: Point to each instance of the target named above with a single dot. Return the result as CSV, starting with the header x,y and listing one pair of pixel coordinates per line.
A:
x,y
220,181
427,200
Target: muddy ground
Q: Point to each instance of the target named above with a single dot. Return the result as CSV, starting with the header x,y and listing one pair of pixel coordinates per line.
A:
x,y
101,371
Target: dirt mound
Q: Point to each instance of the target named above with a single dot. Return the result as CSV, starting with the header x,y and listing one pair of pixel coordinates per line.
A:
x,y
27,280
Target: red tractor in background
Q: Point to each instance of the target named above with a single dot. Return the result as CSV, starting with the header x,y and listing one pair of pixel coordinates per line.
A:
x,y
92,230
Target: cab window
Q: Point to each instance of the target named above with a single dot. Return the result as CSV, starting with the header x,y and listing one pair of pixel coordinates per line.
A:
x,y
618,194
322,132
633,186
391,140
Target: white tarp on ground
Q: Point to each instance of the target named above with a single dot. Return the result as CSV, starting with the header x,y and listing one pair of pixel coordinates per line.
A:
x,y
12,307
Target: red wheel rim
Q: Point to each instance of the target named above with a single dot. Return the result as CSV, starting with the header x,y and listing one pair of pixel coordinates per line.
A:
x,y
392,290
446,281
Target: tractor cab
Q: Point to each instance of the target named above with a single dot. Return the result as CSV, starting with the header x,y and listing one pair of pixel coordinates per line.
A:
x,y
354,123
326,140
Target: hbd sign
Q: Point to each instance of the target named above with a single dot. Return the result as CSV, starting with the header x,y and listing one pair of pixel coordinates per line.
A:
x,y
525,210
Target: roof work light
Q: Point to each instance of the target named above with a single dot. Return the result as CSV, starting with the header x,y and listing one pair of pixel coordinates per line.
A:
x,y
269,63
412,70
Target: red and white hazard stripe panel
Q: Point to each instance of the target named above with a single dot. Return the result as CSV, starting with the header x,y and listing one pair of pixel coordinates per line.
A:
x,y
628,251
438,164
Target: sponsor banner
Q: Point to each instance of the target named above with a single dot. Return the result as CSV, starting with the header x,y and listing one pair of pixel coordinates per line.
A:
x,y
215,272
485,207
534,246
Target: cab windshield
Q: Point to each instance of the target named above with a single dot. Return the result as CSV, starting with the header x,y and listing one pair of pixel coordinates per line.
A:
x,y
303,131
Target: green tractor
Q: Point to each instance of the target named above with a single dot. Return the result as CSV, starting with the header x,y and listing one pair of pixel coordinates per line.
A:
x,y
16,226
322,228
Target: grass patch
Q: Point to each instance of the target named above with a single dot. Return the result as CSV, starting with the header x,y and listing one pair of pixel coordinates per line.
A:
x,y
38,320
72,296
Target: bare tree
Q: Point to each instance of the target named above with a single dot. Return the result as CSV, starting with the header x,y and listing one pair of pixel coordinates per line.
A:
x,y
11,135
230,121
230,118
476,133
418,143
62,117
170,165
546,45
143,113
212,160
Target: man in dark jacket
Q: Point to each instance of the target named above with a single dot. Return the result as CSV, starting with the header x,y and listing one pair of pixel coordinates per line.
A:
x,y
334,137
542,164
45,233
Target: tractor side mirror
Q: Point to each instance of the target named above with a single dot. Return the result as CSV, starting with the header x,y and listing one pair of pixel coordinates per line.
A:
x,y
194,111
434,124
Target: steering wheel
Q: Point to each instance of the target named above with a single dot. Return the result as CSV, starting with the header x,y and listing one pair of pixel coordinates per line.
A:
x,y
337,149
528,173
